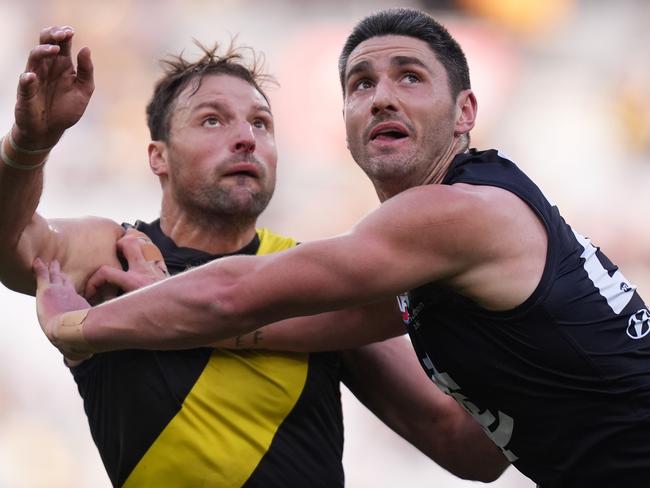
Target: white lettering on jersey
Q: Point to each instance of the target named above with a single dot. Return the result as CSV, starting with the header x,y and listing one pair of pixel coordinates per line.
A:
x,y
616,289
501,433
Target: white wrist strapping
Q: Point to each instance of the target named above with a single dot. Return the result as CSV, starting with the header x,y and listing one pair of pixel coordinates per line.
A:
x,y
19,149
21,166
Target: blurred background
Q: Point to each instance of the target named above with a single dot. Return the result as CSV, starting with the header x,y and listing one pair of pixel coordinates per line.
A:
x,y
562,89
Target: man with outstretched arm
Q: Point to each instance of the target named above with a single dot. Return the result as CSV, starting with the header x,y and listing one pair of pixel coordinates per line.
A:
x,y
512,312
205,415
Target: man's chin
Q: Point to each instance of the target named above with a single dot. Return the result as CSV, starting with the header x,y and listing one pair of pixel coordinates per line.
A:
x,y
246,204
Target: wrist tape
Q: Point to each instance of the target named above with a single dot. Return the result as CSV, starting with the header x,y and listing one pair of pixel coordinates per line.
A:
x,y
29,159
68,334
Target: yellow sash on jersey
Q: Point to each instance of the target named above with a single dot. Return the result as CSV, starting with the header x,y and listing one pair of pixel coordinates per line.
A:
x,y
229,418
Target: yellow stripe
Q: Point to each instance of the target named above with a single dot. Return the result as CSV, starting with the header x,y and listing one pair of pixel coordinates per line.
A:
x,y
270,242
229,418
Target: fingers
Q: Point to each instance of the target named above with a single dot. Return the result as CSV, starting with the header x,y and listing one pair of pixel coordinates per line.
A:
x,y
39,56
53,41
61,35
131,247
42,274
55,273
50,274
65,35
140,252
27,85
107,275
85,70
104,276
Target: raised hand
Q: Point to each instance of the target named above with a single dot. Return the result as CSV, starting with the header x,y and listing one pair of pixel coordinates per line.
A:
x,y
52,95
145,266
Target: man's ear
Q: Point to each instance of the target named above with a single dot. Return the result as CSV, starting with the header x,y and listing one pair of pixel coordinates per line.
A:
x,y
158,157
466,112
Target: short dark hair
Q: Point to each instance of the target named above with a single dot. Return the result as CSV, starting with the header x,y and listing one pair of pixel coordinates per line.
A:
x,y
179,73
412,23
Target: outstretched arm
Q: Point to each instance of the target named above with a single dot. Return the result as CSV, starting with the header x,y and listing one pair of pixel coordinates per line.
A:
x,y
52,96
329,331
466,239
387,379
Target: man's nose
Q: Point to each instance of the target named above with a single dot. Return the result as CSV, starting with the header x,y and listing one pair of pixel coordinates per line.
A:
x,y
384,97
244,140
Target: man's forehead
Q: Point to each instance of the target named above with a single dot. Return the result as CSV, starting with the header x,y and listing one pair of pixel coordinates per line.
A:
x,y
390,46
221,87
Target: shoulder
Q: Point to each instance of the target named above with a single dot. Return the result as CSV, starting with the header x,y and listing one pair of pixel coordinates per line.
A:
x,y
460,207
462,234
89,227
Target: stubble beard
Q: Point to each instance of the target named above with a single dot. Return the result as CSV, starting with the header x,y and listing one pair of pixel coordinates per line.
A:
x,y
237,204
405,168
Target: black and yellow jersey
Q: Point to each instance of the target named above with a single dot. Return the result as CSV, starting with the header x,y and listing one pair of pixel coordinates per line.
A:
x,y
215,418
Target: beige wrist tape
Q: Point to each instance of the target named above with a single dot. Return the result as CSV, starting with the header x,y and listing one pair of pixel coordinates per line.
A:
x,y
150,251
68,332
20,159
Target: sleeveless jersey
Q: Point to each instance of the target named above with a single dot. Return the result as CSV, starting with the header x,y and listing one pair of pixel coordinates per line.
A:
x,y
212,417
561,383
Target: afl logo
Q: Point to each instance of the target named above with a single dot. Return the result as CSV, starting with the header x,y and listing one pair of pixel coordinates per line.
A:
x,y
639,324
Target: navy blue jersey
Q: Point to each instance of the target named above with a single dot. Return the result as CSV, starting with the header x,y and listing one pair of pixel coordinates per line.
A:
x,y
561,383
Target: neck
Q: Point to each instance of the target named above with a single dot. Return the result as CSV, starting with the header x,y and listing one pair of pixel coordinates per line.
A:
x,y
213,234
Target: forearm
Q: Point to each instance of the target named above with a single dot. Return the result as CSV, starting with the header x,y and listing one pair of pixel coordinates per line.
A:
x,y
457,443
330,331
229,297
20,191
191,310
386,378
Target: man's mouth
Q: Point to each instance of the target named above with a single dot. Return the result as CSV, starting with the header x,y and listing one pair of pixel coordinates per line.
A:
x,y
388,131
243,169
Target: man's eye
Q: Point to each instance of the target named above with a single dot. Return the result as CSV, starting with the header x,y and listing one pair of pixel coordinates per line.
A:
x,y
411,78
260,124
211,122
363,85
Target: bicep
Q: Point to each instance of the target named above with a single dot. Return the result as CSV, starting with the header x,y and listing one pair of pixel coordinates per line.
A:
x,y
80,245
398,247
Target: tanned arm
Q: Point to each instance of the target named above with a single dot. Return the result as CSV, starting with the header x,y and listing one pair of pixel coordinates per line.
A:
x,y
329,331
52,96
388,380
466,239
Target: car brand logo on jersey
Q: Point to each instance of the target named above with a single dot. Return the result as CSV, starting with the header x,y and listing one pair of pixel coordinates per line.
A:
x,y
639,324
403,303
